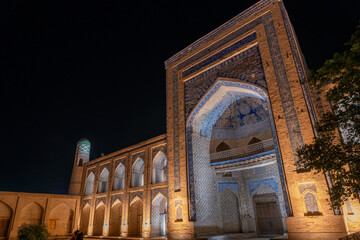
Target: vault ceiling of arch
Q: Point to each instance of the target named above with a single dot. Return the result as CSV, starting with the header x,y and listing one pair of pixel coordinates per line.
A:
x,y
242,112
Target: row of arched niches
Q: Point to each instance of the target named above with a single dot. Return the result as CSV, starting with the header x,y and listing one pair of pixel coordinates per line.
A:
x,y
32,212
158,175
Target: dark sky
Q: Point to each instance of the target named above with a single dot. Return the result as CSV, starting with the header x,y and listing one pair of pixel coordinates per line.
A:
x,y
96,70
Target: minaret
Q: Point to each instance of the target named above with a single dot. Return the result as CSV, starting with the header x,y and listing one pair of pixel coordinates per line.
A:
x,y
81,157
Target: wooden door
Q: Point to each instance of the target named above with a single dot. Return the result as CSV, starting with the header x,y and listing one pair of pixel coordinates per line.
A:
x,y
4,225
268,218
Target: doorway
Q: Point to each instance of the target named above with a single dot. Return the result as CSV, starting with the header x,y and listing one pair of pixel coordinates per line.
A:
x,y
268,216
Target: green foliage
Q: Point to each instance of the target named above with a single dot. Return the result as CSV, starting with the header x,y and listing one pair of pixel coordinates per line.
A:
x,y
33,232
339,157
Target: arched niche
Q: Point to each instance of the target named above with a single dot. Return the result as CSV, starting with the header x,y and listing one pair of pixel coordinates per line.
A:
x,y
31,214
60,220
115,218
103,181
137,173
119,177
85,217
135,217
89,187
99,219
159,166
158,215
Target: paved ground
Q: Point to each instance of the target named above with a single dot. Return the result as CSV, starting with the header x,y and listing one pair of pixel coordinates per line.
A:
x,y
239,236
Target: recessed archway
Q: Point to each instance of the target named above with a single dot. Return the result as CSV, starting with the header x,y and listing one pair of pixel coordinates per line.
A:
x,y
135,217
115,218
233,113
137,173
31,213
99,219
89,188
85,217
60,220
158,215
119,178
159,166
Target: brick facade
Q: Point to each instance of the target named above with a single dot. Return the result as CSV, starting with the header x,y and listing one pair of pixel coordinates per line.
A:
x,y
239,86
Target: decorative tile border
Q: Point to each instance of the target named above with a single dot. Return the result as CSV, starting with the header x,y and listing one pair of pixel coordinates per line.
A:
x,y
243,159
177,185
196,87
220,54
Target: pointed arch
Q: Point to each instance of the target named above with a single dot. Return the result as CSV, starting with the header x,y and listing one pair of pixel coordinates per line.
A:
x,y
60,220
179,213
89,188
222,147
99,219
5,217
199,124
158,215
311,204
230,211
263,189
119,177
137,173
85,216
31,213
159,166
103,181
115,218
135,217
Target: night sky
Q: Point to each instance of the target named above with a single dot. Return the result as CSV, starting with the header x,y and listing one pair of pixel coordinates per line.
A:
x,y
79,69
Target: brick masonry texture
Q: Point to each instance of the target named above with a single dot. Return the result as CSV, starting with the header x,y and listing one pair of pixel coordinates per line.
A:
x,y
168,186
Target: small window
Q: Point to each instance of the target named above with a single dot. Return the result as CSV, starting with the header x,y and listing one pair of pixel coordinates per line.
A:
x,y
52,224
81,161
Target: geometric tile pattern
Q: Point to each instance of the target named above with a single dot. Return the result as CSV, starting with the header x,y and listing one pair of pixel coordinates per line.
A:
x,y
270,182
115,219
84,146
230,211
158,209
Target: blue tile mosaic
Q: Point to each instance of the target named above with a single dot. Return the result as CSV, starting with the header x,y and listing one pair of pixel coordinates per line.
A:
x,y
270,182
241,101
176,132
232,185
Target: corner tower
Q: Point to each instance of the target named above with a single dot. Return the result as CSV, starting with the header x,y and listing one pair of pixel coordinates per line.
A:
x,y
81,157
